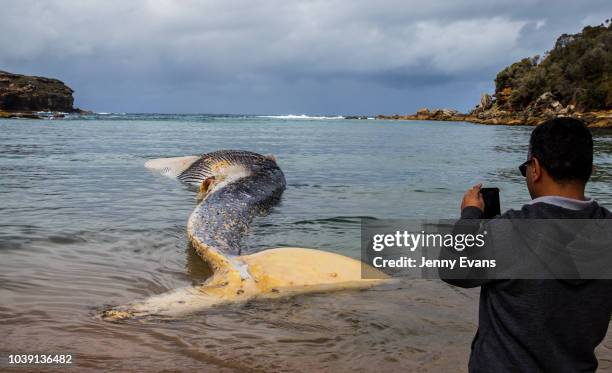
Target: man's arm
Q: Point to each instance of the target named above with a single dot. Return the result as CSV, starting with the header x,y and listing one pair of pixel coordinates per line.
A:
x,y
472,208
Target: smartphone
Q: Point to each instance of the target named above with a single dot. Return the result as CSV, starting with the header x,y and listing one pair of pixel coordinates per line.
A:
x,y
491,200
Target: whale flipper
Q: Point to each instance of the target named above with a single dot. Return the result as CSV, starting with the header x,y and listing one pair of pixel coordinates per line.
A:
x,y
171,167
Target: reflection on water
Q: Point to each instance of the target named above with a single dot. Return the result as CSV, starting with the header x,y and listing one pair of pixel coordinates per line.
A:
x,y
83,226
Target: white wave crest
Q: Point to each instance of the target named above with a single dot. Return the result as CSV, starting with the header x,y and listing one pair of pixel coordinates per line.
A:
x,y
303,116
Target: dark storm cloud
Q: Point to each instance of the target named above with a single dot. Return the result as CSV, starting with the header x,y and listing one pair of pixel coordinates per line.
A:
x,y
346,56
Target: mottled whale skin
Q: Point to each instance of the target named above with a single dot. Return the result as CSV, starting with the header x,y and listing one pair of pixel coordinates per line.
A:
x,y
234,187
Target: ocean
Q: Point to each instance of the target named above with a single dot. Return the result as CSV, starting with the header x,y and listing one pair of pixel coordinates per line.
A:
x,y
84,226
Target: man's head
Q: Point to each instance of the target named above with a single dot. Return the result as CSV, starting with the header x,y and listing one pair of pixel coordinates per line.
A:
x,y
560,159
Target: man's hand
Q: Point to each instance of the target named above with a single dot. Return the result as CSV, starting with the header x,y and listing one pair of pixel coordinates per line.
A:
x,y
473,197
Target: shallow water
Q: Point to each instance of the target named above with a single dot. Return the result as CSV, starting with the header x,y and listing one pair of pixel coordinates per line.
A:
x,y
83,225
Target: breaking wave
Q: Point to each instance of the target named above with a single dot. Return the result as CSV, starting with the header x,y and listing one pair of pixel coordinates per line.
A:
x,y
303,116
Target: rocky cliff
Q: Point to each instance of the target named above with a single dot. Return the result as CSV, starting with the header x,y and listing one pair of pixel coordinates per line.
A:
x,y
27,94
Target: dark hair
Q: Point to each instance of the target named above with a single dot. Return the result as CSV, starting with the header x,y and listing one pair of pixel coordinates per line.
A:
x,y
564,147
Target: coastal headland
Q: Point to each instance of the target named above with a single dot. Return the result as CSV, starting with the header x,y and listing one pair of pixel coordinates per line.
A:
x,y
573,79
34,97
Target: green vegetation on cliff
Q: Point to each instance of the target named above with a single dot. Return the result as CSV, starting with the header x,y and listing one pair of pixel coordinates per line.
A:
x,y
577,71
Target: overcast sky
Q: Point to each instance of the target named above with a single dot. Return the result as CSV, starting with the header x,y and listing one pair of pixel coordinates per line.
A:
x,y
281,57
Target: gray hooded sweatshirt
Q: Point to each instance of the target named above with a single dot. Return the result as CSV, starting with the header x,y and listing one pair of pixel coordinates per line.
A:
x,y
544,325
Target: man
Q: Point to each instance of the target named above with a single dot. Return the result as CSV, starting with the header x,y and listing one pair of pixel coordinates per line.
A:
x,y
538,325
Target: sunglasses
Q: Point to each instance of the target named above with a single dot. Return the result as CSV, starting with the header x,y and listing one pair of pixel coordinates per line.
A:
x,y
523,167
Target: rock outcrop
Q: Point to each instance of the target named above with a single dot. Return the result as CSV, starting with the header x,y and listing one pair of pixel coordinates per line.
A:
x,y
545,107
486,101
23,96
426,114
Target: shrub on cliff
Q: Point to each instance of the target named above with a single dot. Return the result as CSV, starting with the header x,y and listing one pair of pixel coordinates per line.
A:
x,y
577,71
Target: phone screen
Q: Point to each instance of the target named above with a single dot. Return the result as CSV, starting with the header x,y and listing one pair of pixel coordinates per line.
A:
x,y
491,200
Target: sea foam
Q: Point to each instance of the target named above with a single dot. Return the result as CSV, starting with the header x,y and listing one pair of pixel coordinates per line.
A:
x,y
303,116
